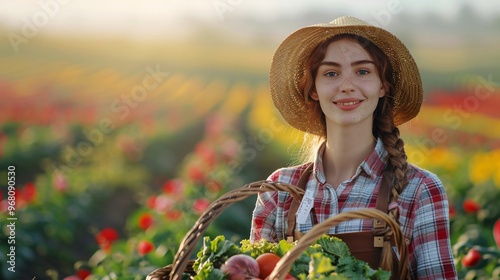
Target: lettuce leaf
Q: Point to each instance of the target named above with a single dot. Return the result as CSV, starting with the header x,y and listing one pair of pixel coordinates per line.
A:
x,y
211,256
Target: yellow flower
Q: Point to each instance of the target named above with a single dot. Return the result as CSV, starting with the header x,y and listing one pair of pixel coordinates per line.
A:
x,y
444,158
237,100
495,159
480,168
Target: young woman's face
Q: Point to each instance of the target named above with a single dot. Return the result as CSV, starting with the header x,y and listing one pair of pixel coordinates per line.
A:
x,y
347,84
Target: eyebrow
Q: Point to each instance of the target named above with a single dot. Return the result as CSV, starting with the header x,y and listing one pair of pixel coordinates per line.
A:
x,y
354,63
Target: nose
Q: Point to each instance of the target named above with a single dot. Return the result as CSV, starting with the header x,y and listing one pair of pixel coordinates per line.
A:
x,y
346,83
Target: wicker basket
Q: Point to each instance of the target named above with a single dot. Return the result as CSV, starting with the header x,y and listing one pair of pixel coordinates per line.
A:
x,y
182,263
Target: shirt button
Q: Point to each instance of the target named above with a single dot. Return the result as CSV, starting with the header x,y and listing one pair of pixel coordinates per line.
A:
x,y
407,241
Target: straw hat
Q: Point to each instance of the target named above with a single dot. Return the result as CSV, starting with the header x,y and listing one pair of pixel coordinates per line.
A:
x,y
289,63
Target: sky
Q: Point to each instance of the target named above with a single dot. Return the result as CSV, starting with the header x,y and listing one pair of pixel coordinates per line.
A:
x,y
149,17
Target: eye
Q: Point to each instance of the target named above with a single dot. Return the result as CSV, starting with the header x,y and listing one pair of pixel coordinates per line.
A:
x,y
363,72
331,74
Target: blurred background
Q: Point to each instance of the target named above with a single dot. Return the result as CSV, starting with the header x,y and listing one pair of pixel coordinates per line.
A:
x,y
123,120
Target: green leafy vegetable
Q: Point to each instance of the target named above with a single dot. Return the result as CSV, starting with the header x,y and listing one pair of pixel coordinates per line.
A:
x,y
333,247
257,248
212,255
328,259
320,264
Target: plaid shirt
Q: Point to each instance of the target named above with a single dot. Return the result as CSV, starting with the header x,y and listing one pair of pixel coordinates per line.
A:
x,y
423,208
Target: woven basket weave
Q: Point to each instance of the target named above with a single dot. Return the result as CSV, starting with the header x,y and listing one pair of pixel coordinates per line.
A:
x,y
182,263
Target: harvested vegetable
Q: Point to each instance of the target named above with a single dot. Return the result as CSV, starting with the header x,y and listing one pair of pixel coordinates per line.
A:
x,y
241,267
267,262
328,258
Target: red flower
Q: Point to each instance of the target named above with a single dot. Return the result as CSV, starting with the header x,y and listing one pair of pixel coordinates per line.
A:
x,y
163,203
173,215
173,187
205,152
496,232
472,258
145,247
29,192
106,237
200,205
214,186
20,201
83,273
145,221
25,195
470,206
194,173
151,202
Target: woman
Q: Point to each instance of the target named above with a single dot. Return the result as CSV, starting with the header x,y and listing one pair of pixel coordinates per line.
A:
x,y
350,84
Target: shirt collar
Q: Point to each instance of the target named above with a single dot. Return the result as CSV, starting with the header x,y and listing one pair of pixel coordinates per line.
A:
x,y
373,165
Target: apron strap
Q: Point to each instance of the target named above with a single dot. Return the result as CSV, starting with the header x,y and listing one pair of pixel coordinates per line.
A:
x,y
381,204
383,199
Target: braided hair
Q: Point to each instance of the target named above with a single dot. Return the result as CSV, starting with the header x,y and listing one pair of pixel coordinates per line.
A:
x,y
383,120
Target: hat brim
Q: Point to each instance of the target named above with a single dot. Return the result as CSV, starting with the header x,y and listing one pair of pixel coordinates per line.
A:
x,y
289,63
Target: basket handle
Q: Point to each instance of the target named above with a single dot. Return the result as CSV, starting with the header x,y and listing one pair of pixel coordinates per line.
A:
x,y
214,210
284,265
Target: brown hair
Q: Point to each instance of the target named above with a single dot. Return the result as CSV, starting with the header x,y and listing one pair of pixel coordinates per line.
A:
x,y
383,120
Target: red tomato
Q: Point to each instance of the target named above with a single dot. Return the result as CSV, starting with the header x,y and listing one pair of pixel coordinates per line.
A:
x,y
267,262
472,258
145,247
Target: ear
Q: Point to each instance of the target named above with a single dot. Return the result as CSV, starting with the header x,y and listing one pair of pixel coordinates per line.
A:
x,y
383,89
314,95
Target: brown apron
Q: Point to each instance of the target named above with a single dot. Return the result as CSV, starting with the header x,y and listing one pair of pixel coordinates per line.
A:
x,y
365,245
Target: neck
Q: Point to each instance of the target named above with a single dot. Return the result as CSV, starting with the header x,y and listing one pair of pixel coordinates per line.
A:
x,y
346,148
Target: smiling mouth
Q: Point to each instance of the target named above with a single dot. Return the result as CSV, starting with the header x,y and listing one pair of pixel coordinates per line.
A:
x,y
350,103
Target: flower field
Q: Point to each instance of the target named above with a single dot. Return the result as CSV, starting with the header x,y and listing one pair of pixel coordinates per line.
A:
x,y
115,157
